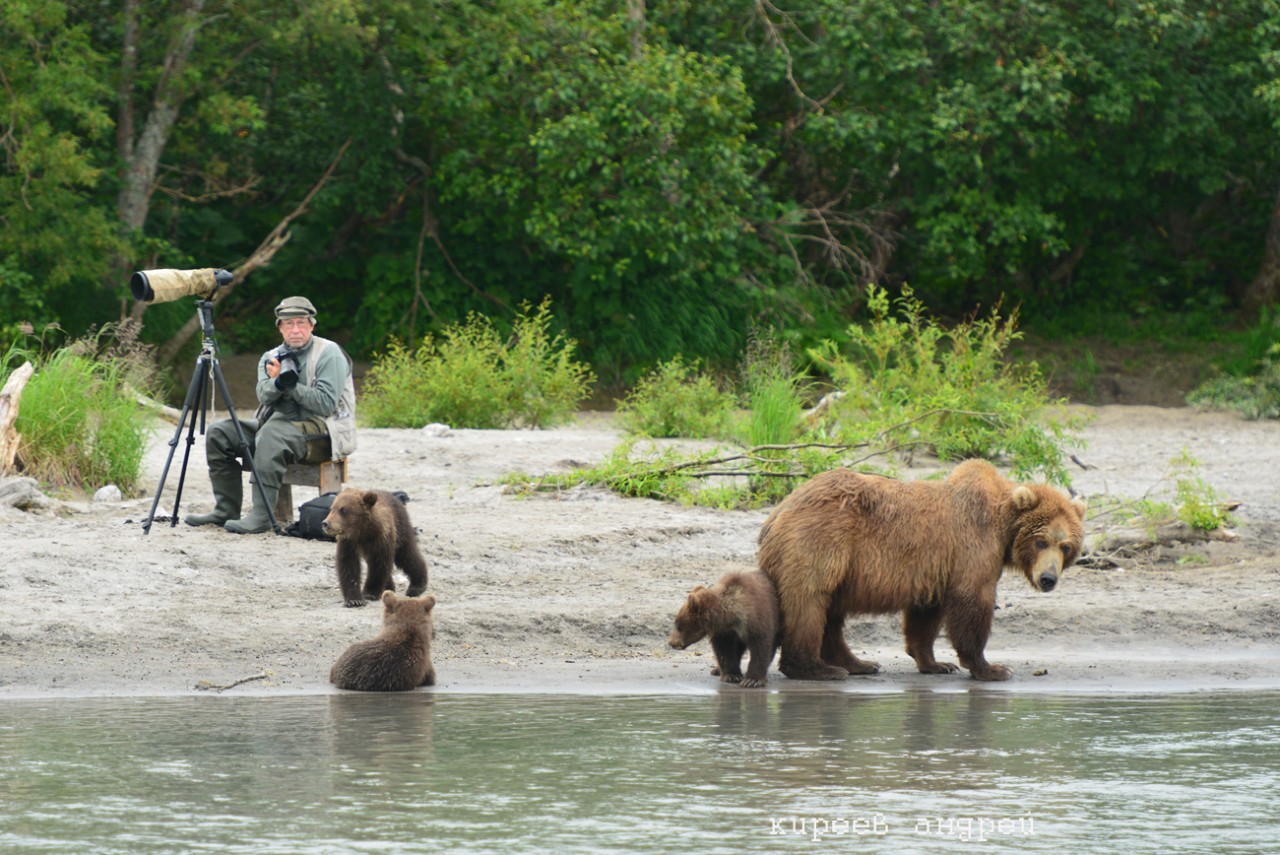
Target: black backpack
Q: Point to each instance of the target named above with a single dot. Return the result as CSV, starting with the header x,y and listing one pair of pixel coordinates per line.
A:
x,y
310,516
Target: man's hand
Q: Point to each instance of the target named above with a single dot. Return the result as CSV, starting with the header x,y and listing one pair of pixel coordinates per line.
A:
x,y
273,368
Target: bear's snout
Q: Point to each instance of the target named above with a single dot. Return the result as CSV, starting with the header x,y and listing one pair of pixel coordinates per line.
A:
x,y
677,641
1048,581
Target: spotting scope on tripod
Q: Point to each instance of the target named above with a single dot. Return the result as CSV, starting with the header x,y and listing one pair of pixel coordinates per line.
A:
x,y
161,286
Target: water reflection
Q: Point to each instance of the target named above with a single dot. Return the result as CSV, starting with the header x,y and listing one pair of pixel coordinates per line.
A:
x,y
729,772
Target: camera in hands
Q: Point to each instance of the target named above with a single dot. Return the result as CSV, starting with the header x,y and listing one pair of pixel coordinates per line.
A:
x,y
163,286
288,359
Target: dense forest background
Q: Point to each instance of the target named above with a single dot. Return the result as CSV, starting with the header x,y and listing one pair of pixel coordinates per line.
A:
x,y
669,173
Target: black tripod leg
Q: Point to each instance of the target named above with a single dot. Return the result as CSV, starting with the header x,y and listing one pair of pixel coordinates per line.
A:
x,y
193,390
244,443
201,380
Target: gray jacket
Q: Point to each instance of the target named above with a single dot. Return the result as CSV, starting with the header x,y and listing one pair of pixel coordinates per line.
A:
x,y
325,392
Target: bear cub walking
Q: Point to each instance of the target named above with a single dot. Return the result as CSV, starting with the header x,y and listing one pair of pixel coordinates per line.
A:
x,y
740,613
397,659
374,525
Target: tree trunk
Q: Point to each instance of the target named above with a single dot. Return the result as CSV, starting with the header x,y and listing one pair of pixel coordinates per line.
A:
x,y
1265,287
635,20
142,156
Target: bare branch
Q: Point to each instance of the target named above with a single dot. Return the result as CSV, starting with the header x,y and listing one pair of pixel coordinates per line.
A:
x,y
260,257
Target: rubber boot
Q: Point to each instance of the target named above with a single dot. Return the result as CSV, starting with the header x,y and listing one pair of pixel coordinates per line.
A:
x,y
258,520
227,494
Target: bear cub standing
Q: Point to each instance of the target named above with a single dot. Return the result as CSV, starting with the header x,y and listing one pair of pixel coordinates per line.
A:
x,y
374,525
740,613
397,659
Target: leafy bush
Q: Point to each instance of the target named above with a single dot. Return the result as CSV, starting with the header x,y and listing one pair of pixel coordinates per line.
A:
x,y
1195,502
545,384
79,417
908,381
676,399
469,377
1255,396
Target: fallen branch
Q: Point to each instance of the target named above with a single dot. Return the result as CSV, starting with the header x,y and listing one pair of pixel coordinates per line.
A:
x,y
170,414
205,685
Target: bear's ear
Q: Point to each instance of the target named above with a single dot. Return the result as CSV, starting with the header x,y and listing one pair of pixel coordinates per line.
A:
x,y
389,599
370,498
701,597
1024,498
428,603
1079,507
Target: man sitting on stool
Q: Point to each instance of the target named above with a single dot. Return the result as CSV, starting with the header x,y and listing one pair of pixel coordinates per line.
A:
x,y
307,415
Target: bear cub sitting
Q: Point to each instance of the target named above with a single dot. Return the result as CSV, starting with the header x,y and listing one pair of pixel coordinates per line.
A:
x,y
397,659
740,613
374,525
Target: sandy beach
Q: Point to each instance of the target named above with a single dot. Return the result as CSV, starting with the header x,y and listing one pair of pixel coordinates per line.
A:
x,y
575,592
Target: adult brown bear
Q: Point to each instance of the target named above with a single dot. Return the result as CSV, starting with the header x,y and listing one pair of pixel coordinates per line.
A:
x,y
845,543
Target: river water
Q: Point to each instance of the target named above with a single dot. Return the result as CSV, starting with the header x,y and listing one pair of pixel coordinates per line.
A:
x,y
730,772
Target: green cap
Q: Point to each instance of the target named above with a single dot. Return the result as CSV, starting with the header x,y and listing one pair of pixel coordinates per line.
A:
x,y
295,307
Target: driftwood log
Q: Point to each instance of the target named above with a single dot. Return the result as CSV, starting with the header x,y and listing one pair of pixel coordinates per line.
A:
x,y
9,398
1127,539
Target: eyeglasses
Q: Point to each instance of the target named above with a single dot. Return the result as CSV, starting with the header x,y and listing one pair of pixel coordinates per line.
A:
x,y
294,323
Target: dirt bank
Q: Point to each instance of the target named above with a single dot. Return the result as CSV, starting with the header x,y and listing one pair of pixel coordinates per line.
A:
x,y
575,592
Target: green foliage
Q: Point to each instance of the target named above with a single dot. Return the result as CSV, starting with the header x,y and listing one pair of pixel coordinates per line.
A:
x,y
54,112
1250,383
774,390
677,399
546,384
79,418
1255,397
669,184
907,380
711,477
470,377
1198,503
455,379
1195,502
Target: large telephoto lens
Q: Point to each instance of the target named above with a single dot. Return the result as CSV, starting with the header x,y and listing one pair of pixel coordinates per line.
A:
x,y
162,286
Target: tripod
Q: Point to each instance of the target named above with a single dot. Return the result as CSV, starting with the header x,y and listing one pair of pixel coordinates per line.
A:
x,y
207,367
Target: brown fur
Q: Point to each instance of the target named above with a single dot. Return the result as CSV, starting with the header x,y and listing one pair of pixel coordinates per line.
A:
x,y
740,613
845,543
374,525
397,659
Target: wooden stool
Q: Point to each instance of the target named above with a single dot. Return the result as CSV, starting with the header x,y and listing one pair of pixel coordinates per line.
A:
x,y
329,476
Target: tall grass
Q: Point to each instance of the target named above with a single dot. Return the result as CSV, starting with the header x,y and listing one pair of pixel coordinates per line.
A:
x,y
80,423
774,391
